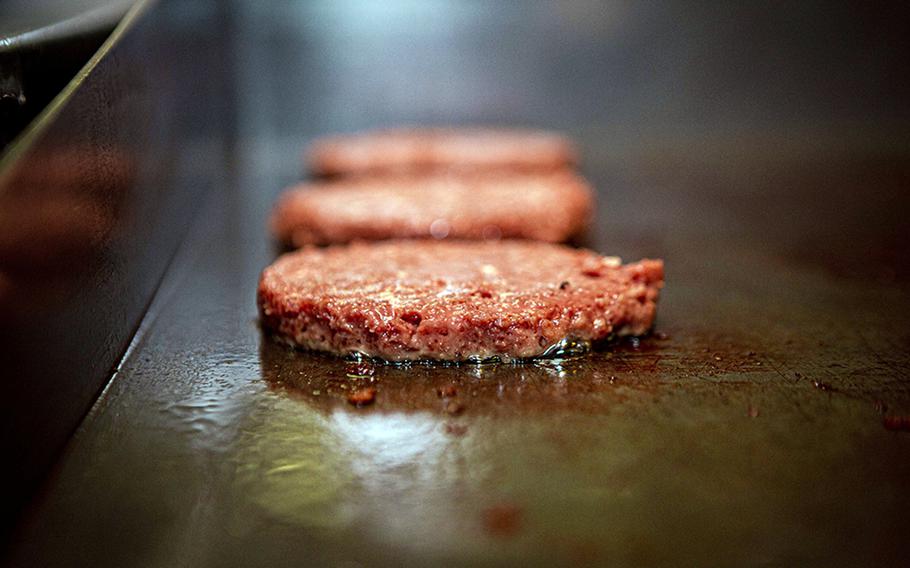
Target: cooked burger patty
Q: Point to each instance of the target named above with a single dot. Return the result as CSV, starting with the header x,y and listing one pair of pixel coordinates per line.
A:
x,y
550,207
454,300
409,150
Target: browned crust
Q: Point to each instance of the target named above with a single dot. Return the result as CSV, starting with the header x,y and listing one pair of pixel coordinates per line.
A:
x,y
553,207
421,149
451,300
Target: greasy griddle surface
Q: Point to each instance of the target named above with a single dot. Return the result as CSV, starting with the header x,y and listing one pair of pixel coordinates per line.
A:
x,y
760,425
761,420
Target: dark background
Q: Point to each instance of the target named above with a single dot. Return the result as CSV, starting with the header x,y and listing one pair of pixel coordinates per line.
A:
x,y
640,71
761,150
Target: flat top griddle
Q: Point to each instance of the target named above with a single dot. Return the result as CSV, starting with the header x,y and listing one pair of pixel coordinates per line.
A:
x,y
764,423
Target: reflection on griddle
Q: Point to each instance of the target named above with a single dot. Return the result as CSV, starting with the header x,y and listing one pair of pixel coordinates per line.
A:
x,y
55,222
426,454
610,375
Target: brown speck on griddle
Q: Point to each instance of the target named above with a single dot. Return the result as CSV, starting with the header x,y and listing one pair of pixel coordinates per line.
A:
x,y
753,411
896,423
456,429
750,354
661,335
502,520
822,386
454,407
447,391
362,397
798,375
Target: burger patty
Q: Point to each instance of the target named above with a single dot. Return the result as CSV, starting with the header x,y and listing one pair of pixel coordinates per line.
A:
x,y
551,207
419,149
454,300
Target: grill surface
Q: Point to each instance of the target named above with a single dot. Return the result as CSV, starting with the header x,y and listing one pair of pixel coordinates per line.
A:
x,y
760,426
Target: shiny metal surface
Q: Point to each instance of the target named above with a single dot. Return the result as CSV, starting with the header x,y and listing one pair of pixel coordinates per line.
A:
x,y
20,18
42,46
90,216
763,425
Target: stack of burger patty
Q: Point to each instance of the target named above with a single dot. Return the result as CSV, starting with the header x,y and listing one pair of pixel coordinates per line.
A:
x,y
443,244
